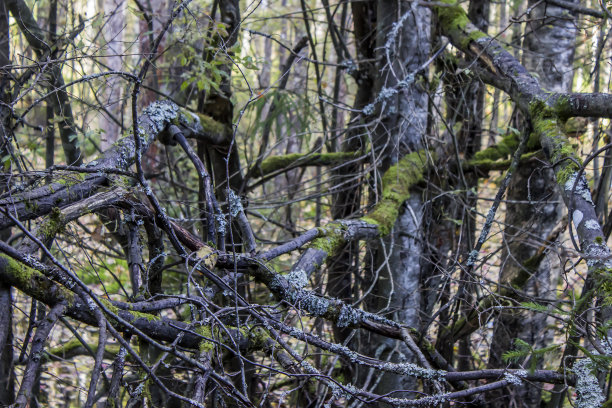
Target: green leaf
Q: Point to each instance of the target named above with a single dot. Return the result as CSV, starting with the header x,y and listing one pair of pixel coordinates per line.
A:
x,y
534,307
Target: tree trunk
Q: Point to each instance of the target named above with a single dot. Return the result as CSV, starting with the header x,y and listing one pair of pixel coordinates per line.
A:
x,y
113,95
7,378
403,129
550,42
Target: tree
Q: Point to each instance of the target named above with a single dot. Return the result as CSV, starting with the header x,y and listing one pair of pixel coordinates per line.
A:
x,y
348,232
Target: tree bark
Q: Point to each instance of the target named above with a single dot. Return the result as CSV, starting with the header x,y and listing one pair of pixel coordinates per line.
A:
x,y
550,42
402,53
113,95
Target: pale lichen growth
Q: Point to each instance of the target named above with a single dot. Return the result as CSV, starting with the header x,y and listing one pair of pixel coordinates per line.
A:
x,y
414,370
472,258
349,316
587,385
597,253
235,205
582,187
161,113
298,278
591,225
386,94
221,222
515,378
91,304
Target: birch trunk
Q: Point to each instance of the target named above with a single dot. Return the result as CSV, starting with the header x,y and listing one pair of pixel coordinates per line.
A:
x,y
550,43
113,93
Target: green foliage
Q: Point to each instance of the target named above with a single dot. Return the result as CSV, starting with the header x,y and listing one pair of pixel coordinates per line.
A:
x,y
522,350
205,75
534,307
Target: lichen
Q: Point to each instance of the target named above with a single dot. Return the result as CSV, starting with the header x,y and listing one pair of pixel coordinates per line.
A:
x,y
597,255
298,278
588,392
578,187
313,304
513,379
591,225
414,370
235,205
160,114
349,316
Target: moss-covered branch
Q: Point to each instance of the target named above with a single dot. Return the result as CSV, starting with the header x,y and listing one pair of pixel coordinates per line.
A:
x,y
397,184
293,160
74,348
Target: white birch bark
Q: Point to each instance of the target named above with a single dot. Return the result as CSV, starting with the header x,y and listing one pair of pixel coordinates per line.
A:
x,y
114,12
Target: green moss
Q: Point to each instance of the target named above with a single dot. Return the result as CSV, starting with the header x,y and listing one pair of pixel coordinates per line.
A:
x,y
384,215
533,143
490,165
502,150
331,238
71,180
454,22
67,347
31,206
112,308
205,345
280,162
274,163
34,283
257,336
562,108
135,315
397,183
53,225
140,315
190,119
564,174
210,125
401,177
547,126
